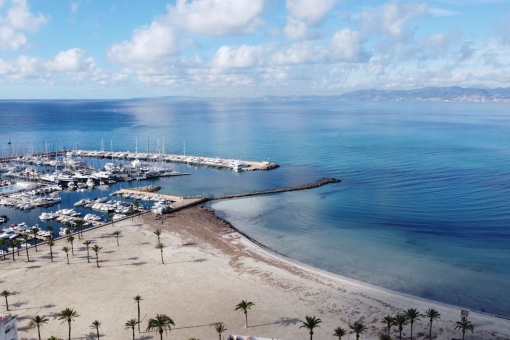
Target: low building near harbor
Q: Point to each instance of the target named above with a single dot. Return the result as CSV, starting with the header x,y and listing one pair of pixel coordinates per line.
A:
x,y
8,327
248,337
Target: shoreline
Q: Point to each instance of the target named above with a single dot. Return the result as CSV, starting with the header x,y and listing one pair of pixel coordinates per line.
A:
x,y
281,257
209,267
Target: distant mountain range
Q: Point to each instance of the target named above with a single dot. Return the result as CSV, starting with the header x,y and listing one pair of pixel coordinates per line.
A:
x,y
454,93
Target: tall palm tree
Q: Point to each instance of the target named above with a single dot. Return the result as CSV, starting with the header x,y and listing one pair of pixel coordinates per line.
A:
x,y
6,293
3,242
96,250
51,243
70,239
110,217
117,233
34,232
15,245
50,229
95,325
87,243
464,326
161,246
68,315
310,323
400,321
412,314
131,209
138,298
25,238
220,328
68,226
38,321
78,223
358,328
389,321
66,250
159,324
130,324
244,306
433,315
12,245
340,332
157,232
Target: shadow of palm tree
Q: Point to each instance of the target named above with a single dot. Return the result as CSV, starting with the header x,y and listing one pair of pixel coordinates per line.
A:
x,y
196,326
33,267
287,321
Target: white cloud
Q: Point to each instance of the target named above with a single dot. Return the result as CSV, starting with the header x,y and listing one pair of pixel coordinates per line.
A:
x,y
74,7
216,17
391,18
15,22
304,15
150,45
67,61
243,56
346,45
310,12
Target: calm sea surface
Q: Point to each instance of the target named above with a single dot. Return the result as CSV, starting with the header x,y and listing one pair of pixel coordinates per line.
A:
x,y
423,206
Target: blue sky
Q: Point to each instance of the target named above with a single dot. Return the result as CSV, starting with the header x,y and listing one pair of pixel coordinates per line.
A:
x,y
230,48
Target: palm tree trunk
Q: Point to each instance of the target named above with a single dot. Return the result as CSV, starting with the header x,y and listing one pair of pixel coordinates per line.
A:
x,y
138,317
28,258
97,261
35,243
39,332
411,331
6,304
311,335
97,329
51,255
430,330
117,241
161,334
163,262
246,320
463,333
69,322
133,333
357,336
13,255
88,258
67,258
400,335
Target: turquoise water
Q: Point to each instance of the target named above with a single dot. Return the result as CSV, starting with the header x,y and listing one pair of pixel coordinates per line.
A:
x,y
423,203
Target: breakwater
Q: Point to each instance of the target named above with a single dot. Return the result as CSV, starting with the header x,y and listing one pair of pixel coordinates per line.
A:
x,y
316,184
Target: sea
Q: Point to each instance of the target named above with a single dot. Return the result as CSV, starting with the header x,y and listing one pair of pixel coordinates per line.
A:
x,y
423,206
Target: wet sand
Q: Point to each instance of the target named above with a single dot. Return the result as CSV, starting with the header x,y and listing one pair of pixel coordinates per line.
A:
x,y
209,268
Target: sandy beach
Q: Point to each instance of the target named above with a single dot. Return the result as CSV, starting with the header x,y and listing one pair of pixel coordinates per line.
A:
x,y
208,269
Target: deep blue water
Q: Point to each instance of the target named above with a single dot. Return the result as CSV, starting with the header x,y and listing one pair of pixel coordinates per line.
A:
x,y
423,203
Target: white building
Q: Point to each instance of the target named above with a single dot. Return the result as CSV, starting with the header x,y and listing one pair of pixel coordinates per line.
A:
x,y
8,327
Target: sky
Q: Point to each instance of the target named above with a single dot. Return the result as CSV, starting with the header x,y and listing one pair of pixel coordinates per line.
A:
x,y
248,48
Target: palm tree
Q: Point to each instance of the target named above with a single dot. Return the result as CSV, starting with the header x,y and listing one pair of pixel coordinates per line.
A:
x,y
110,217
70,239
5,294
54,338
401,321
131,209
38,321
412,314
117,233
50,229
340,332
25,238
66,250
51,243
244,306
68,315
3,242
68,226
160,246
95,325
130,324
79,225
34,231
157,232
138,298
220,328
310,323
159,324
389,321
13,244
96,250
464,326
384,336
358,328
87,243
432,314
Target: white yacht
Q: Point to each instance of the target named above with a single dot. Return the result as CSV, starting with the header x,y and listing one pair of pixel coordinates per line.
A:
x,y
90,183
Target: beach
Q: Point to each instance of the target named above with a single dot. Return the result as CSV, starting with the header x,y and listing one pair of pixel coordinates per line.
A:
x,y
209,268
